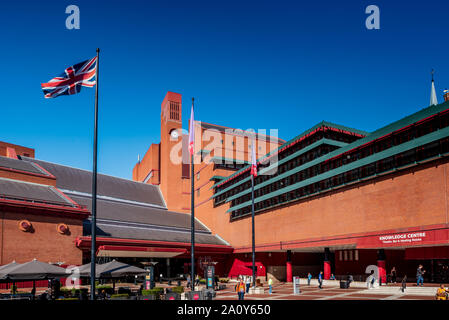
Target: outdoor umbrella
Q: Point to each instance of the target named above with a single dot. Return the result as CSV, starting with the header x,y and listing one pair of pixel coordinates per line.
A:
x,y
115,269
33,270
5,268
83,271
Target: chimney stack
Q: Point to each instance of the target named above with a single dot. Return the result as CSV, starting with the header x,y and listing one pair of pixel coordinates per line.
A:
x,y
446,95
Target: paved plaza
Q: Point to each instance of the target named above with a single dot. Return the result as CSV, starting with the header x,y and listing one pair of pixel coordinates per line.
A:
x,y
284,291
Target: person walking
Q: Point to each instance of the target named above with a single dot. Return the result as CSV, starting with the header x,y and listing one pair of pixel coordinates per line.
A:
x,y
270,285
197,280
248,283
404,284
309,278
393,275
349,280
419,276
240,288
188,281
320,280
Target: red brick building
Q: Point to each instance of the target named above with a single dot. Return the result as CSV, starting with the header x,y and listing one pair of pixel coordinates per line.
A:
x,y
333,198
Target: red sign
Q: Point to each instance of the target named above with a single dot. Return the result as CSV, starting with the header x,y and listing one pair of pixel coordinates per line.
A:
x,y
196,296
405,239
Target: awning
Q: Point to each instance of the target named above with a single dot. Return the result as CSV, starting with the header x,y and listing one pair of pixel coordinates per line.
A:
x,y
138,252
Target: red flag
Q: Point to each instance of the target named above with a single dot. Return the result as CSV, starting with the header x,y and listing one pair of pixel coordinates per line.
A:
x,y
191,133
253,159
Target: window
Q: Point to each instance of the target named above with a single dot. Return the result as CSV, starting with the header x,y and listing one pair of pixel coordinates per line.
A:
x,y
356,255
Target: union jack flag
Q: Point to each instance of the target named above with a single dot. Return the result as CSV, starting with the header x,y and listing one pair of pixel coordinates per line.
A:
x,y
72,79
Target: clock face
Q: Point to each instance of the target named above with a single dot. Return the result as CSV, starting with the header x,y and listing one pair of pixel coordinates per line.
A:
x,y
174,134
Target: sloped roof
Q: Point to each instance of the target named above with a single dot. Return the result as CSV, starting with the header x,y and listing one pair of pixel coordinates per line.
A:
x,y
26,191
107,230
78,180
17,164
134,213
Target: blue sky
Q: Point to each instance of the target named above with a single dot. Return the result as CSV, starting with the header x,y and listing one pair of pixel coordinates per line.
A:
x,y
249,64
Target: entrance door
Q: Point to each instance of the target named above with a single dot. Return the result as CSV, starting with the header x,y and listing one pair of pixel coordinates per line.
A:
x,y
441,271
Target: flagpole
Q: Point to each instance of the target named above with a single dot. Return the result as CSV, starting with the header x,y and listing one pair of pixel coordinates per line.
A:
x,y
253,232
94,188
192,208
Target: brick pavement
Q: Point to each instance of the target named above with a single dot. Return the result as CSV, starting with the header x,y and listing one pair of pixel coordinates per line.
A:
x,y
284,291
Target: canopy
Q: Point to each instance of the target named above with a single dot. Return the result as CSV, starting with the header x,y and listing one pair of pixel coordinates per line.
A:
x,y
33,270
113,269
83,271
5,268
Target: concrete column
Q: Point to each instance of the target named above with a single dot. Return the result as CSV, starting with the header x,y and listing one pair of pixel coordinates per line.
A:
x,y
327,264
381,265
289,266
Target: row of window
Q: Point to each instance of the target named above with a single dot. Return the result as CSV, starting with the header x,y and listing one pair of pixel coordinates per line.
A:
x,y
421,153
348,255
323,133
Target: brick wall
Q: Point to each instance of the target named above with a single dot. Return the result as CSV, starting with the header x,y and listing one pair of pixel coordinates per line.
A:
x,y
44,243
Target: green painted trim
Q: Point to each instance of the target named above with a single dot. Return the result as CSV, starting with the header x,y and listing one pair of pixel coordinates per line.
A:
x,y
345,184
217,177
204,151
408,120
229,160
436,135
280,162
321,124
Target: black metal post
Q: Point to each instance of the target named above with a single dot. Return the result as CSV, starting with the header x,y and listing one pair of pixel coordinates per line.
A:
x,y
253,231
192,221
94,189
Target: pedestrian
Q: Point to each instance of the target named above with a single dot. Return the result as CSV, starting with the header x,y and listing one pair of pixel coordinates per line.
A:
x,y
270,285
349,279
441,293
404,283
320,280
240,288
332,277
372,279
188,281
419,276
197,280
309,278
248,283
393,275
216,282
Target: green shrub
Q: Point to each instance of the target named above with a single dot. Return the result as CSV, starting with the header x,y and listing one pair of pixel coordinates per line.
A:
x,y
157,291
179,289
123,295
14,289
103,286
203,281
223,280
107,289
72,299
